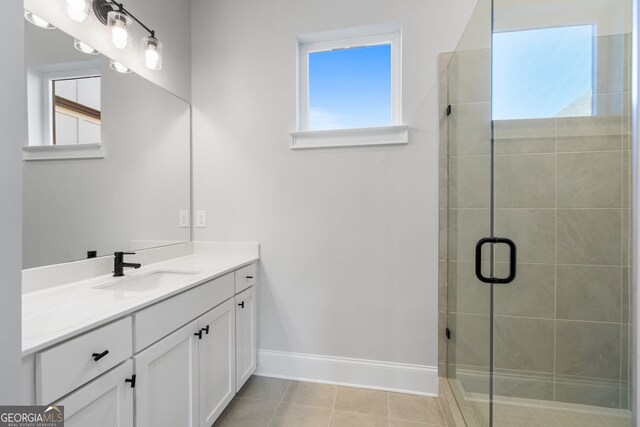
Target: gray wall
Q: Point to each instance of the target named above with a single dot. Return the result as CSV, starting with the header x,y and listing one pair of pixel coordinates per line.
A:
x,y
348,236
13,129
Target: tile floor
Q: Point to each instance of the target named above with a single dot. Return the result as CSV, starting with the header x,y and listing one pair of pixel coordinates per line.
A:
x,y
271,402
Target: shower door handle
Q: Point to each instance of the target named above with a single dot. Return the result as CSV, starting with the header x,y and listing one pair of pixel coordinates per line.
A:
x,y
512,260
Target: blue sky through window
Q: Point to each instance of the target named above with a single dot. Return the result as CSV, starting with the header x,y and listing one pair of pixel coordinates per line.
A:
x,y
350,88
543,73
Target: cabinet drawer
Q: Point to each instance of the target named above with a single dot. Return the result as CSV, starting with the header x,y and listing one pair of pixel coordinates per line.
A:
x,y
157,321
69,365
246,277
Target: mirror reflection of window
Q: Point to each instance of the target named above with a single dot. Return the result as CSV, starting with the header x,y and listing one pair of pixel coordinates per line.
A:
x,y
76,110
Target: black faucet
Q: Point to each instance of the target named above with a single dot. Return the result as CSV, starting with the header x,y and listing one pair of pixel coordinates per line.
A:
x,y
119,264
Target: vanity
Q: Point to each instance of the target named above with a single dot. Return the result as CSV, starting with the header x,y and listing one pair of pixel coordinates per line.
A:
x,y
169,344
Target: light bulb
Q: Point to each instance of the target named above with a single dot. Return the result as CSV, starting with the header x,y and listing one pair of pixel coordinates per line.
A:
x,y
115,65
84,48
151,58
118,23
151,53
77,10
37,21
119,36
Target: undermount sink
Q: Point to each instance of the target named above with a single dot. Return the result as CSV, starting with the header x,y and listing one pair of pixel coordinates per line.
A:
x,y
150,281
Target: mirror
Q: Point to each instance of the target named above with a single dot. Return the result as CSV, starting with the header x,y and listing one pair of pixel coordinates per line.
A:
x,y
107,163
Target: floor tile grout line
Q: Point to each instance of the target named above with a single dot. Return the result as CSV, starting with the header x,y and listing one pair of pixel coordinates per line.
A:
x,y
333,405
389,408
279,403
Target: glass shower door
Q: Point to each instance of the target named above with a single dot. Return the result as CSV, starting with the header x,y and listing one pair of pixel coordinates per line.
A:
x,y
469,217
539,215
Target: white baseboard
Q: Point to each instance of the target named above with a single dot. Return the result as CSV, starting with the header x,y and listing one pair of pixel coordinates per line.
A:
x,y
389,376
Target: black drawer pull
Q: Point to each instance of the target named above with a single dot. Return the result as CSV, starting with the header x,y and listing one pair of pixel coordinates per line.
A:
x,y
131,380
199,334
241,304
206,329
98,356
249,277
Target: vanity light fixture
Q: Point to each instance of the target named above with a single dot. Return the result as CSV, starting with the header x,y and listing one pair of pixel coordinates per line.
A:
x,y
37,21
119,20
116,66
78,10
84,48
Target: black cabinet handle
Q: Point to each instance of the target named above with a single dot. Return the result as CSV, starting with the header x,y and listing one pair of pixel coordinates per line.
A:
x,y
249,277
98,356
241,304
206,329
131,380
199,334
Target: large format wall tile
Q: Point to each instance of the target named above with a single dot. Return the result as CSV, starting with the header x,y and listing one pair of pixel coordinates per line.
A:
x,y
590,180
532,230
589,292
582,143
532,294
610,63
525,181
466,227
524,136
523,344
470,182
466,293
588,349
470,129
589,126
471,70
469,344
589,236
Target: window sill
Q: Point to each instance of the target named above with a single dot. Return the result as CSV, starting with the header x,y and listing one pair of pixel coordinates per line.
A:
x,y
387,135
62,152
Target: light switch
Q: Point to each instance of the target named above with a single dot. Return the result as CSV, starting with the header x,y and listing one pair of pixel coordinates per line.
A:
x,y
201,219
183,219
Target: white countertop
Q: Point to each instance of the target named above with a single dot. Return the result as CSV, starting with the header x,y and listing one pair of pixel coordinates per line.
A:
x,y
52,315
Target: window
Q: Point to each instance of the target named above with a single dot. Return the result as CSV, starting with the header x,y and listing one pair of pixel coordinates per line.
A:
x,y
76,113
64,108
543,73
349,89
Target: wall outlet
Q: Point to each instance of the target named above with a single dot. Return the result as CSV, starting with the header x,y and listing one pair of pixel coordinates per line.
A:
x,y
201,219
183,219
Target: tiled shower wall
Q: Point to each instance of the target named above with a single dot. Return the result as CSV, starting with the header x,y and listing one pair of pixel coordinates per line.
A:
x,y
562,189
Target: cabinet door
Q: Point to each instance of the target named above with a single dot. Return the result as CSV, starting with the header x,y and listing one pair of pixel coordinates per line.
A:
x,y
246,336
216,361
104,402
166,381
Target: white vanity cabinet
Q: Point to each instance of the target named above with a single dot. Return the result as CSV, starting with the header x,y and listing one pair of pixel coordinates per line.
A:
x,y
104,402
246,336
178,362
